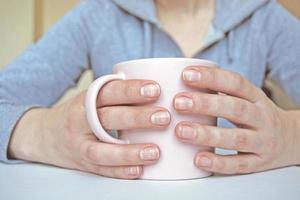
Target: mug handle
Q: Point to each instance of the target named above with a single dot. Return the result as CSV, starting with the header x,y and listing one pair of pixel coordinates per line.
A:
x,y
91,108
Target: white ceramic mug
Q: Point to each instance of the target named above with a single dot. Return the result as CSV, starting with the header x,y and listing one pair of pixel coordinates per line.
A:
x,y
177,159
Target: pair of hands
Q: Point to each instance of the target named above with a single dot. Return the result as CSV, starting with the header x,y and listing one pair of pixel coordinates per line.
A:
x,y
265,137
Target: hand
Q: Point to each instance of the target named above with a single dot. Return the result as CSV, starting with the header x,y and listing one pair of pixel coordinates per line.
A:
x,y
265,137
61,135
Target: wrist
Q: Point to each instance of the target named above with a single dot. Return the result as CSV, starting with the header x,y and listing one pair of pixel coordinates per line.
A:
x,y
293,118
26,136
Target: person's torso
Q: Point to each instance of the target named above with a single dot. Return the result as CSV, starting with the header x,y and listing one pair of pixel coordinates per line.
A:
x,y
126,36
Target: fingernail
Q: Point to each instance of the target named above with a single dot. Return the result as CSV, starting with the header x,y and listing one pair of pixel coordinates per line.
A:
x,y
186,132
203,162
161,118
149,153
132,171
150,90
191,75
183,103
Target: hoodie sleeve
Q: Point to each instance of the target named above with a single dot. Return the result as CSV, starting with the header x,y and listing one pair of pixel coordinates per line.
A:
x,y
43,72
283,36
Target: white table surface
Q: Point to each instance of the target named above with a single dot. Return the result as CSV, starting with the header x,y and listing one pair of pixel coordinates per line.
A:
x,y
33,181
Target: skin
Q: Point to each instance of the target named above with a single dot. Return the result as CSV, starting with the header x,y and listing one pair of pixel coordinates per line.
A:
x,y
266,136
193,17
61,136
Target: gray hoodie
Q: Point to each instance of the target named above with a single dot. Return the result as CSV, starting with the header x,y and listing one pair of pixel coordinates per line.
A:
x,y
256,38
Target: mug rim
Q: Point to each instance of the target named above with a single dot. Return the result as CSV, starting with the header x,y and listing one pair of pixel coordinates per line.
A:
x,y
164,59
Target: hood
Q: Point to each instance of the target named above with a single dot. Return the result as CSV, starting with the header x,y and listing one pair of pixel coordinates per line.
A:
x,y
229,13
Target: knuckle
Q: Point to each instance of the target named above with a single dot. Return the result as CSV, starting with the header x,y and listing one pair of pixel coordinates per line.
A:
x,y
128,91
139,117
238,82
207,74
209,104
211,75
107,91
240,109
241,141
207,137
215,137
265,119
125,156
257,113
216,104
205,103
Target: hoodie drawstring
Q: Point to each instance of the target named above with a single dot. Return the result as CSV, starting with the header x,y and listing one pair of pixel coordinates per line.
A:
x,y
230,49
147,40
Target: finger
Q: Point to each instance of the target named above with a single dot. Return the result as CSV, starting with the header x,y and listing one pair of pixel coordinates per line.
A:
x,y
133,117
232,108
120,172
221,80
120,155
128,92
228,164
242,140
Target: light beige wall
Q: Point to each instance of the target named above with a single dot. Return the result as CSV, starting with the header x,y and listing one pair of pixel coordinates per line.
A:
x,y
16,28
292,5
278,95
22,21
49,11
